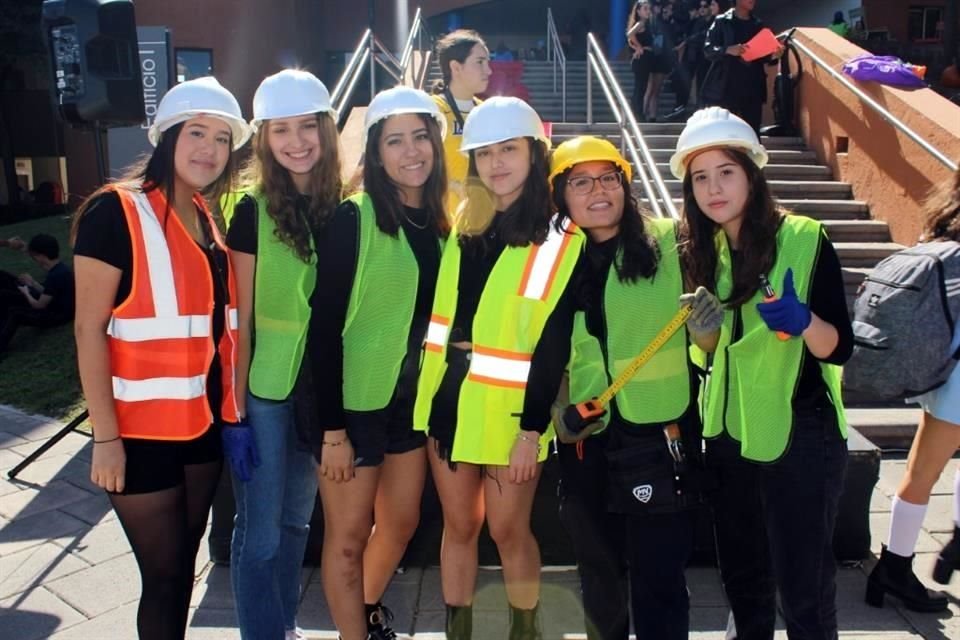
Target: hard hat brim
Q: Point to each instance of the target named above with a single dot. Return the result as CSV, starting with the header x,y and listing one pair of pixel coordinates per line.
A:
x,y
680,161
256,122
239,129
465,149
437,117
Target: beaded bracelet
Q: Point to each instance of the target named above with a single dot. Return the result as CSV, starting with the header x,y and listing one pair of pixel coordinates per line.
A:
x,y
526,438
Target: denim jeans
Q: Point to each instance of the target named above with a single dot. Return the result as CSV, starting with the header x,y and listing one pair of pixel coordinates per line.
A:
x,y
774,525
272,524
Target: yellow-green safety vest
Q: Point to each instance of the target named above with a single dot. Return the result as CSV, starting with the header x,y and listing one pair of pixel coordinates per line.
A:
x,y
634,313
520,294
750,389
283,284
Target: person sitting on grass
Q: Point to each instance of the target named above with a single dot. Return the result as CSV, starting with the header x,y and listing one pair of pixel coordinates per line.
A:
x,y
24,301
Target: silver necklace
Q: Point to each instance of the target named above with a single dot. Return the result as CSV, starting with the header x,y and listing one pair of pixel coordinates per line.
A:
x,y
414,224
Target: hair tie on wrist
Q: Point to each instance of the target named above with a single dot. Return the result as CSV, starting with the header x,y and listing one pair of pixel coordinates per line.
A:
x,y
103,441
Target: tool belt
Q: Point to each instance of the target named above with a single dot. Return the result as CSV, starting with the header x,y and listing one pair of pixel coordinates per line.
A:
x,y
649,471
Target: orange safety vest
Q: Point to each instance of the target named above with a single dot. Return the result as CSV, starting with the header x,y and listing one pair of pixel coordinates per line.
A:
x,y
160,337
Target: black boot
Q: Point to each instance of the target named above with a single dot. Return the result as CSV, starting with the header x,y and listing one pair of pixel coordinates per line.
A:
x,y
523,624
949,559
459,622
378,622
894,575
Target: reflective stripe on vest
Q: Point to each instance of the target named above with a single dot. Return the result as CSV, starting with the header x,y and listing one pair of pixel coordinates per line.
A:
x,y
160,336
521,292
437,332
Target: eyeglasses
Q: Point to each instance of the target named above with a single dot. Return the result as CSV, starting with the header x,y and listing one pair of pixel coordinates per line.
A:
x,y
582,185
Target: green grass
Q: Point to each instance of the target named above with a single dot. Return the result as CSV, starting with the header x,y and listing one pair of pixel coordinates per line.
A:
x,y
38,372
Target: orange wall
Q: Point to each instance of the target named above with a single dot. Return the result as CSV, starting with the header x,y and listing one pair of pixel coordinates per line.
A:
x,y
888,170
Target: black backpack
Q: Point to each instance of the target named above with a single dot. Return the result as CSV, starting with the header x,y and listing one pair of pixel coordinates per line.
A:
x,y
904,319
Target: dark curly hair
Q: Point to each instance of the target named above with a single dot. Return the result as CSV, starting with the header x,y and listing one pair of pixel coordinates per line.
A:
x,y
264,174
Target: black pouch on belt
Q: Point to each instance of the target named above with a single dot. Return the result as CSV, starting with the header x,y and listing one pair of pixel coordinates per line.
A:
x,y
642,476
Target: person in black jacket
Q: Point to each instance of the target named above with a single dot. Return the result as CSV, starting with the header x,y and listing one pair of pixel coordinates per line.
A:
x,y
730,82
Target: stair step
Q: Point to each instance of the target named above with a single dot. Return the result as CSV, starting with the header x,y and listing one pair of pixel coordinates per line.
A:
x,y
857,230
886,426
864,254
819,209
779,171
783,188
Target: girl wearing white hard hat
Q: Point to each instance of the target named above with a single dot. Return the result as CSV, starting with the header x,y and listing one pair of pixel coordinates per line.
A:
x,y
378,258
494,358
291,189
465,66
773,414
632,287
157,341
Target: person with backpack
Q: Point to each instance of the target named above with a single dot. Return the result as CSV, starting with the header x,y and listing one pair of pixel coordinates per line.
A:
x,y
773,416
498,342
290,190
632,287
937,438
377,262
465,66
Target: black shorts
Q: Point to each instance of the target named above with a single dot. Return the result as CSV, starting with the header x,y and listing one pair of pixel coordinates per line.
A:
x,y
155,465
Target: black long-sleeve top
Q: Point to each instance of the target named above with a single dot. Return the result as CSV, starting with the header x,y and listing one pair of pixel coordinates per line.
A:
x,y
553,348
337,254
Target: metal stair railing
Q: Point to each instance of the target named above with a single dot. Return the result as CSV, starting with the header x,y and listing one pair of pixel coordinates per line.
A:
x,y
631,137
370,53
556,55
876,106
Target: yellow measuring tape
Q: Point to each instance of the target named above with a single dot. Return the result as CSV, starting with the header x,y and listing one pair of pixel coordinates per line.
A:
x,y
658,341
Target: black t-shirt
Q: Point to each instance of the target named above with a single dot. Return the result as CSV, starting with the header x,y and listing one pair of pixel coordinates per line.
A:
x,y
242,235
59,286
337,245
103,234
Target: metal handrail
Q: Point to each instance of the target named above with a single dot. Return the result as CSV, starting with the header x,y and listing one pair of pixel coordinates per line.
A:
x,y
371,52
876,106
556,55
630,134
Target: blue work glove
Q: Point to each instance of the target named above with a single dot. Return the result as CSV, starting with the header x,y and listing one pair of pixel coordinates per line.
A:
x,y
786,313
240,449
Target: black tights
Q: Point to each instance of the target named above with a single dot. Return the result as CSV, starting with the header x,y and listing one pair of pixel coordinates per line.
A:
x,y
165,528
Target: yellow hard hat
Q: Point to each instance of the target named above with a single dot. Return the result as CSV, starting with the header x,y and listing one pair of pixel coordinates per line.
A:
x,y
586,149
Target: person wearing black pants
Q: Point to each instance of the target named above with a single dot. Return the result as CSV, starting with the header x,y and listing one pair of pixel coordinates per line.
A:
x,y
640,40
730,82
629,491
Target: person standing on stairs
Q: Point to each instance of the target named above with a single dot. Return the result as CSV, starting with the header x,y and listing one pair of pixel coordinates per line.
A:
x,y
465,65
731,82
773,415
632,286
377,262
291,189
936,441
498,342
640,41
157,354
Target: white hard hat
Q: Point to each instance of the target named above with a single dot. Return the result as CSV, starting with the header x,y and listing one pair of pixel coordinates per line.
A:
x,y
400,100
715,127
200,97
290,93
501,118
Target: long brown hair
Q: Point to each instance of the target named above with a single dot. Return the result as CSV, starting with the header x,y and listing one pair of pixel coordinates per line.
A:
x,y
455,46
157,171
757,240
386,195
264,174
634,19
527,220
943,211
638,253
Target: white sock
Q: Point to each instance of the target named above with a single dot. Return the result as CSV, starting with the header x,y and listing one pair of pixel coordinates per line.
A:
x,y
956,499
906,519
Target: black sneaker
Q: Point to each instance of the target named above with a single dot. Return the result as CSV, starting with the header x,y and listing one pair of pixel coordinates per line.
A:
x,y
379,618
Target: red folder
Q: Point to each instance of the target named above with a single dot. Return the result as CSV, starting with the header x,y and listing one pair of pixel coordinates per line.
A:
x,y
760,45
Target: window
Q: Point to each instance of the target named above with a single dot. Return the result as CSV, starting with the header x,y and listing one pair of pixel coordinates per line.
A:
x,y
925,24
194,63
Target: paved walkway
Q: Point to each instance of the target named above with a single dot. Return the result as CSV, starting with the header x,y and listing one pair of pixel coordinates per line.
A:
x,y
66,571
